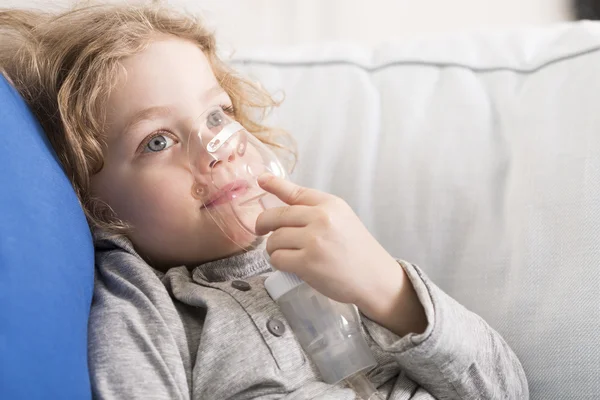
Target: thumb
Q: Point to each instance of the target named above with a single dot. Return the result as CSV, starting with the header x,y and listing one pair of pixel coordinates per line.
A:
x,y
289,192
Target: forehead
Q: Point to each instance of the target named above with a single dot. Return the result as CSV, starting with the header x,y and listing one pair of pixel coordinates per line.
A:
x,y
167,72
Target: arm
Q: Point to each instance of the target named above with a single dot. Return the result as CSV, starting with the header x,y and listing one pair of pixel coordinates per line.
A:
x,y
456,356
319,238
134,340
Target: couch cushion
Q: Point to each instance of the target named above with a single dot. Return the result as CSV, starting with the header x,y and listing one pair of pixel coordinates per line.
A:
x,y
46,265
476,157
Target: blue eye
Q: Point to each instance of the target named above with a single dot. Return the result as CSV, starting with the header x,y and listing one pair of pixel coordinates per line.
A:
x,y
158,143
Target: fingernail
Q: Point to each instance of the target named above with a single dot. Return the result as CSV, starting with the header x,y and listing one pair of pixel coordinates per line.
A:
x,y
264,178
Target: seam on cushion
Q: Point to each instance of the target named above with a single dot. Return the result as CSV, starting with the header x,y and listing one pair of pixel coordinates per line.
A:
x,y
412,63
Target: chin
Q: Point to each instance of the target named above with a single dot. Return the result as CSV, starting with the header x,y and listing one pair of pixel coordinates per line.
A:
x,y
236,229
240,239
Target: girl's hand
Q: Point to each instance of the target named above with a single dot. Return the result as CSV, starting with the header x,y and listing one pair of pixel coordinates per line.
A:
x,y
319,238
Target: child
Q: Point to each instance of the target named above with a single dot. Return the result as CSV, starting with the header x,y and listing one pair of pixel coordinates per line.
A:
x,y
179,312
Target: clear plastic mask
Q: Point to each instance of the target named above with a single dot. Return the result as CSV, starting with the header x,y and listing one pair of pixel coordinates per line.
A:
x,y
226,161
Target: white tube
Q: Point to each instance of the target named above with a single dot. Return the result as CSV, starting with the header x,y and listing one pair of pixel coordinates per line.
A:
x,y
363,387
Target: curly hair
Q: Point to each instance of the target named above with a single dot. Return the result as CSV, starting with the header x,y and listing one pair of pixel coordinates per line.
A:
x,y
65,64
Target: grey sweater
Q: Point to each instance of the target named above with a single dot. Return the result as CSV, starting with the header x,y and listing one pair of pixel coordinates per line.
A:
x,y
207,333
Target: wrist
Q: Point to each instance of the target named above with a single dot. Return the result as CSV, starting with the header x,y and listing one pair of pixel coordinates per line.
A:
x,y
392,302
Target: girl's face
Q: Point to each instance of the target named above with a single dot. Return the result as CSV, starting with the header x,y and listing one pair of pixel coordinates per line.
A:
x,y
146,178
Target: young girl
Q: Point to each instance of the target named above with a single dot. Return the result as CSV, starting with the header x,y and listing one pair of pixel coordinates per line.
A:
x,y
179,312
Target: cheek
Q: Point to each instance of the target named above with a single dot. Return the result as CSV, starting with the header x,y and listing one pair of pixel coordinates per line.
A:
x,y
159,202
168,222
156,196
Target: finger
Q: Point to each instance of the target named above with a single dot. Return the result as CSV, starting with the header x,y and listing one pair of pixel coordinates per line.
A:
x,y
289,192
286,238
279,217
288,260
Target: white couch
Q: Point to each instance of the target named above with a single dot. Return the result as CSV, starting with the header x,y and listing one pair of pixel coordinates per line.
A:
x,y
476,157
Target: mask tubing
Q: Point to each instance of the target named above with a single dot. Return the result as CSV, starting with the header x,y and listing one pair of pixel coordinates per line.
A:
x,y
363,387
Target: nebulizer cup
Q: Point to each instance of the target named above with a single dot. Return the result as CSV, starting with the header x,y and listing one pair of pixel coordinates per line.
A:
x,y
226,161
328,331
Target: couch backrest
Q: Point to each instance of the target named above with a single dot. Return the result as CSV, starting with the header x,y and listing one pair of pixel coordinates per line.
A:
x,y
46,265
476,157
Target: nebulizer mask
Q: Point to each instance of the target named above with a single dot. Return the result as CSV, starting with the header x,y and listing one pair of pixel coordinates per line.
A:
x,y
226,161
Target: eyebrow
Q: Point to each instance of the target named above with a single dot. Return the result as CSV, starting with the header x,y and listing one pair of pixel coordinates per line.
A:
x,y
164,111
147,113
212,92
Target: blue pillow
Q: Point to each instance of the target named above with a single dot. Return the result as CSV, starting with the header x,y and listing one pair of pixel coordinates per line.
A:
x,y
46,265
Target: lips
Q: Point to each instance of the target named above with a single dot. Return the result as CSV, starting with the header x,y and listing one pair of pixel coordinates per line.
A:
x,y
227,193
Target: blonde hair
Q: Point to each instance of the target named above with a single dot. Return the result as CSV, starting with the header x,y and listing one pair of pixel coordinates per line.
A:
x,y
65,65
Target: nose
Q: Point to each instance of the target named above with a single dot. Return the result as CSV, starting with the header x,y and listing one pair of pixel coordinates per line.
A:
x,y
224,143
224,171
214,163
214,148
207,163
213,171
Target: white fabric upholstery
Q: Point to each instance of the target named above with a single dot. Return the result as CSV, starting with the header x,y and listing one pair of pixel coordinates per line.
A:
x,y
476,157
